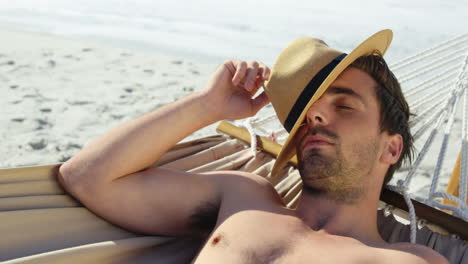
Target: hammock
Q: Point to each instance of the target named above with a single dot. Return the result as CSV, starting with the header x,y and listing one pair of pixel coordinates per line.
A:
x,y
43,224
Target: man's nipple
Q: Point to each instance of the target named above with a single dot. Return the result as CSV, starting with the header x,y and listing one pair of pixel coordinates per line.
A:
x,y
218,239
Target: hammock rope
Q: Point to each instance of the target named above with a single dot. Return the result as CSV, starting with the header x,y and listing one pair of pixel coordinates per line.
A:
x,y
424,70
437,49
429,98
464,160
423,114
443,149
436,80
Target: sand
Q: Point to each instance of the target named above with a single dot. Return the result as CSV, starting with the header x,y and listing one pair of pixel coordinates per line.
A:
x,y
58,94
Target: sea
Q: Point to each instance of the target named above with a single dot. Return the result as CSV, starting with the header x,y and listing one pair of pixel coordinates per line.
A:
x,y
216,30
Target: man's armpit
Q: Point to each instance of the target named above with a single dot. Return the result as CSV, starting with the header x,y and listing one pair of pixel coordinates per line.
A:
x,y
203,221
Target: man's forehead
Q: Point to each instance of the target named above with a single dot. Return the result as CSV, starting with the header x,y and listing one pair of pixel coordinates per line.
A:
x,y
333,89
354,82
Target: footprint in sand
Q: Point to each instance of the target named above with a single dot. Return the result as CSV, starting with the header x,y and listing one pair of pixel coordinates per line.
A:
x,y
18,119
87,50
129,90
10,63
78,102
177,62
118,117
70,146
148,71
38,144
64,158
45,110
52,63
20,67
71,57
14,86
41,124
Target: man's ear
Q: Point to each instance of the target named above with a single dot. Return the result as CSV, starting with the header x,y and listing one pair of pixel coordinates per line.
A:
x,y
392,151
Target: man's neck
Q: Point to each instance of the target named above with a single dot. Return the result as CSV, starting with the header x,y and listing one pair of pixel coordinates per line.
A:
x,y
357,219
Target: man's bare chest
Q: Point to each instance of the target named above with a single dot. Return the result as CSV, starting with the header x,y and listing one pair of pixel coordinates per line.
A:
x,y
266,237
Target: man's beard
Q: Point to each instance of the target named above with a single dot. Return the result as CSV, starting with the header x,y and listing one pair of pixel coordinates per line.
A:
x,y
331,174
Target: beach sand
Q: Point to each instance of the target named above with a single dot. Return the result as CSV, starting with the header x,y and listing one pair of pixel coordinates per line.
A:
x,y
58,94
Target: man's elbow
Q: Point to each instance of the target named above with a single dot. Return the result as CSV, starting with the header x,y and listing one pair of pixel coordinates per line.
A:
x,y
73,182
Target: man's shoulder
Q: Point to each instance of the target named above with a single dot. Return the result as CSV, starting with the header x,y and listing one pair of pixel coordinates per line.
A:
x,y
250,184
429,255
246,179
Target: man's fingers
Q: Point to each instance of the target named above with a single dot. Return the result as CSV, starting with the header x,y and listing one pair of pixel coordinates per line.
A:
x,y
241,70
251,76
266,72
259,82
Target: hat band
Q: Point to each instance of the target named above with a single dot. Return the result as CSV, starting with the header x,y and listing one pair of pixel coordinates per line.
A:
x,y
309,91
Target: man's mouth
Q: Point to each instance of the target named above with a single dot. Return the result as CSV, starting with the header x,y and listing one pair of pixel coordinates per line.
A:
x,y
316,141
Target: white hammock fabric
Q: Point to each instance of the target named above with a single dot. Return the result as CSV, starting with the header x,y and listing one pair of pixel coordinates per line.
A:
x,y
41,223
433,81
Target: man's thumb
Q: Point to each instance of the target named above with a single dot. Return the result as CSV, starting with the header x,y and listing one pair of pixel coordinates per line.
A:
x,y
259,102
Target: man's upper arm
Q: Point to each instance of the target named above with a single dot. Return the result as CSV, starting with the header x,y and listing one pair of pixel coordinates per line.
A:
x,y
424,253
154,201
432,256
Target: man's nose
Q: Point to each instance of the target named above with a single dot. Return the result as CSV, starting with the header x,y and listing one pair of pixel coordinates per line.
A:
x,y
317,115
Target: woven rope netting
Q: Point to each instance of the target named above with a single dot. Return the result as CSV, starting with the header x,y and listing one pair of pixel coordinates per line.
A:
x,y
435,84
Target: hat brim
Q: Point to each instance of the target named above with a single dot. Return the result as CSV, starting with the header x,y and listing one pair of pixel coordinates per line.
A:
x,y
379,41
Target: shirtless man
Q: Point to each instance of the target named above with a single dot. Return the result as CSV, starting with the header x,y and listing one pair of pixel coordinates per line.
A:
x,y
343,153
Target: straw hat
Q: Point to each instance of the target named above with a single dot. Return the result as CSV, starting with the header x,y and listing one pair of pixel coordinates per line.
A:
x,y
302,73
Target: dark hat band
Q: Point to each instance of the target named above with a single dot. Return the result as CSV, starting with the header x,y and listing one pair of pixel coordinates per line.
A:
x,y
309,91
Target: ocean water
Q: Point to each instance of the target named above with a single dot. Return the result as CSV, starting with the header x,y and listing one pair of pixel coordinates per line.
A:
x,y
215,30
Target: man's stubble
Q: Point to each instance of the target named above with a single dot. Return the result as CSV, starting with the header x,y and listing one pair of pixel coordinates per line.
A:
x,y
335,176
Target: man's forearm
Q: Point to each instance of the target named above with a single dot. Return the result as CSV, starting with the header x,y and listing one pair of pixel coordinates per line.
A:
x,y
138,143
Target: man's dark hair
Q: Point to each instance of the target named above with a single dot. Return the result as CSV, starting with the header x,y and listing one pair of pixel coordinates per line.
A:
x,y
394,110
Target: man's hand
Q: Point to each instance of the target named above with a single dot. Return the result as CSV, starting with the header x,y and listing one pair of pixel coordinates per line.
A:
x,y
229,93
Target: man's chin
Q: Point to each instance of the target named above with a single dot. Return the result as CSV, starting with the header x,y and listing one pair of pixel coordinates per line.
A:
x,y
316,167
314,176
333,189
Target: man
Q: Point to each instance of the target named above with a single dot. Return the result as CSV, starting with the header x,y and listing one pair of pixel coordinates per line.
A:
x,y
333,109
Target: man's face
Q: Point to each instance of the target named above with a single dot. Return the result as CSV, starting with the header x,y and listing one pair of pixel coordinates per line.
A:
x,y
339,143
